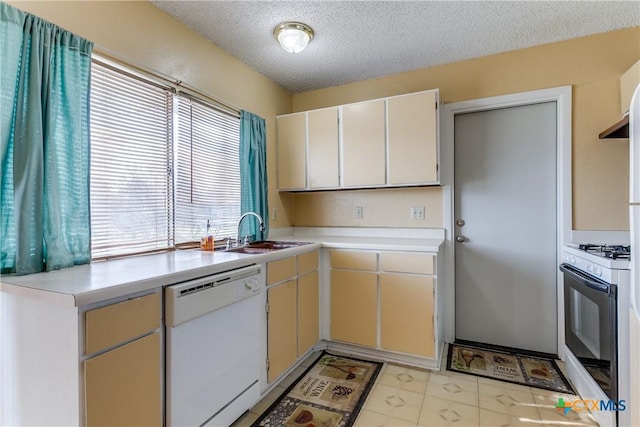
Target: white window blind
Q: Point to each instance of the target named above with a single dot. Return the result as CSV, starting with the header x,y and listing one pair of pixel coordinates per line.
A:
x,y
141,132
131,164
207,171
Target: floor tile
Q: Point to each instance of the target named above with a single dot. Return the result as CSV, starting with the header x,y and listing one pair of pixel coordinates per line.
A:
x,y
507,400
395,402
489,381
572,418
453,387
373,419
496,419
440,412
405,378
404,396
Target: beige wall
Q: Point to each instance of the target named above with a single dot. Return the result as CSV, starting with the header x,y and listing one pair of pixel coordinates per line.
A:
x,y
381,208
591,65
143,35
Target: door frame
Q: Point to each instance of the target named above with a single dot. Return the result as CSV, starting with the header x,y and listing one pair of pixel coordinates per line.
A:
x,y
562,96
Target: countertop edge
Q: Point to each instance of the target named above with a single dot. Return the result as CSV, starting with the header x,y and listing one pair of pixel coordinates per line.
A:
x,y
12,284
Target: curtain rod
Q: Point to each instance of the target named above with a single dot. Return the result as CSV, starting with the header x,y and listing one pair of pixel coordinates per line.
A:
x,y
178,85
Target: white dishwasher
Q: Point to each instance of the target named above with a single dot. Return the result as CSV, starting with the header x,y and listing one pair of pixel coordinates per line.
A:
x,y
213,347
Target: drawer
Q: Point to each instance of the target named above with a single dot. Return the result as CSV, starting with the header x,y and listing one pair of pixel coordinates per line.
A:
x,y
354,260
117,323
307,262
280,270
407,262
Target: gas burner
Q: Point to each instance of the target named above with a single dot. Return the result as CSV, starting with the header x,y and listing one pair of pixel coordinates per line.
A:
x,y
608,251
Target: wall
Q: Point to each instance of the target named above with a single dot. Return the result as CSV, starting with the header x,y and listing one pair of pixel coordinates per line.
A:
x,y
591,65
141,34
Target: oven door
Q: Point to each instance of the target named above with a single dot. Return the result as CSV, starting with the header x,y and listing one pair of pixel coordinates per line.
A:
x,y
591,325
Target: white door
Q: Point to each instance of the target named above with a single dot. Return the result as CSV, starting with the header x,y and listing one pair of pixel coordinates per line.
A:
x,y
505,211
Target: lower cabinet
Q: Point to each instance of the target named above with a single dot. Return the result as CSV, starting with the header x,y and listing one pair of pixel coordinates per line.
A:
x,y
293,325
308,311
281,328
122,386
123,371
384,300
406,314
354,312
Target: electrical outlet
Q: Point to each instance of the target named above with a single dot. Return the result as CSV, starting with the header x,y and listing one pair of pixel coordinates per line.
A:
x,y
417,212
275,214
359,212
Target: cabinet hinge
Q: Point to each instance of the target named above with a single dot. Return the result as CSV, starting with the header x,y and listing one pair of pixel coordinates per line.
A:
x,y
436,105
268,363
266,307
437,167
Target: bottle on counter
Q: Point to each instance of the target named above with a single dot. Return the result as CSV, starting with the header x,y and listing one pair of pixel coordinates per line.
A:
x,y
206,241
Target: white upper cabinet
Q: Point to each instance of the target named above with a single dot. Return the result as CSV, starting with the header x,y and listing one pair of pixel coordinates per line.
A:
x,y
292,130
388,142
363,144
413,138
323,161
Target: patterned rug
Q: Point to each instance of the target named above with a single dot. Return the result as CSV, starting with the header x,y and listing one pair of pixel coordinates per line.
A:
x,y
330,393
512,367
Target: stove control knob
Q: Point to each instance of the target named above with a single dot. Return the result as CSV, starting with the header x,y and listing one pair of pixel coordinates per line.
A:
x,y
590,268
597,270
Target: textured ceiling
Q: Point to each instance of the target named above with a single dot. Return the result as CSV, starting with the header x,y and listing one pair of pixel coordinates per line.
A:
x,y
358,40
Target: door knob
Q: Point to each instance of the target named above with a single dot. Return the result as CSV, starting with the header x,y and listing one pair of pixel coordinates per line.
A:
x,y
460,238
460,223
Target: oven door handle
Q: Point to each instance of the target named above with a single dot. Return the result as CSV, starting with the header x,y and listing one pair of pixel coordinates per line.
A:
x,y
584,279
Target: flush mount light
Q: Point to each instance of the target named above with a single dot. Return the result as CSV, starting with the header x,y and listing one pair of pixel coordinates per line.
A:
x,y
293,36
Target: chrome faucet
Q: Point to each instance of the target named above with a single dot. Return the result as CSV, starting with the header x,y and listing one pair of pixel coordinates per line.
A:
x,y
262,227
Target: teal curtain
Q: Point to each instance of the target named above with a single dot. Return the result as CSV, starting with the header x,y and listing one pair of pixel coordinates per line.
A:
x,y
253,173
44,182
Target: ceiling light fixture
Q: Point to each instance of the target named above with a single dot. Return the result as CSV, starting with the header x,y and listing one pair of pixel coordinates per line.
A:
x,y
293,36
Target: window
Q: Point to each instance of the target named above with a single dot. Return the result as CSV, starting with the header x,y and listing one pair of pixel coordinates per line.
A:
x,y
141,132
208,171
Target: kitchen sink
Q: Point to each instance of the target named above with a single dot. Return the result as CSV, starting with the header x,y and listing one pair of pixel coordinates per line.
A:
x,y
263,246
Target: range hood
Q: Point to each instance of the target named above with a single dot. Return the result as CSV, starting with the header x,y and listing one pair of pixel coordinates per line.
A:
x,y
619,129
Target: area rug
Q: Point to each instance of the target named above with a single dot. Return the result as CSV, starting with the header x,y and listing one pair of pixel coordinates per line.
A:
x,y
330,393
512,367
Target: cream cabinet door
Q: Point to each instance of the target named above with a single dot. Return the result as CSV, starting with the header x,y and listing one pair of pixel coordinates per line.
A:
x,y
280,270
123,385
281,328
323,163
308,311
354,307
363,144
412,130
406,314
291,145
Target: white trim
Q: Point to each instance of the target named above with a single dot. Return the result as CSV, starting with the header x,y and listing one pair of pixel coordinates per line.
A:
x,y
562,97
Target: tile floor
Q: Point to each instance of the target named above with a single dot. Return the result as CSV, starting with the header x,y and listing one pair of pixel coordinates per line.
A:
x,y
405,396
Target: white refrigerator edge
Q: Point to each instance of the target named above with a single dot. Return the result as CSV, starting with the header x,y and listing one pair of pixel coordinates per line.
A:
x,y
633,402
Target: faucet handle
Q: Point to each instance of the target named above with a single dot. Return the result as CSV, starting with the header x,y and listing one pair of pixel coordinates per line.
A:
x,y
245,241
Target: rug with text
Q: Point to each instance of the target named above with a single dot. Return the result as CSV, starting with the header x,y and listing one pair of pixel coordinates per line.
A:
x,y
513,367
330,393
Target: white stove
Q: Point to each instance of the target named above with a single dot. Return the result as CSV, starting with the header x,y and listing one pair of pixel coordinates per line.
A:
x,y
597,284
602,261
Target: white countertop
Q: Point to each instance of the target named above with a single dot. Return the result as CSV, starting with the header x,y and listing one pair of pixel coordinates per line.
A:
x,y
100,281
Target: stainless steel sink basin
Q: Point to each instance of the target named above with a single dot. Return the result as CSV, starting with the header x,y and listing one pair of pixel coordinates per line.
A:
x,y
263,246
